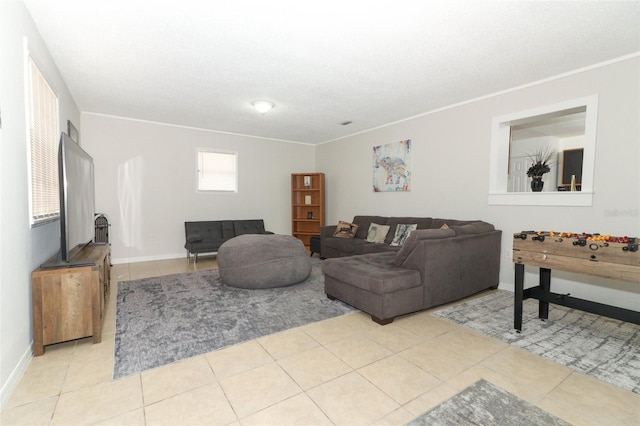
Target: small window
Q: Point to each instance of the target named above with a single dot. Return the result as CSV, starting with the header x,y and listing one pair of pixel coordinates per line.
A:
x,y
504,167
43,148
217,171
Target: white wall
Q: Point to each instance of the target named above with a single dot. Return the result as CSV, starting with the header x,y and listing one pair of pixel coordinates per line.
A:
x,y
450,175
145,177
21,249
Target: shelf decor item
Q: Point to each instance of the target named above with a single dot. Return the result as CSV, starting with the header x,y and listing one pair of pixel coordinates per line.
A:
x,y
307,206
540,164
537,183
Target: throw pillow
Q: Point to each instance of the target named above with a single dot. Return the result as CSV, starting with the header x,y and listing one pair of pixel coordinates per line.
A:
x,y
377,233
402,232
444,226
345,230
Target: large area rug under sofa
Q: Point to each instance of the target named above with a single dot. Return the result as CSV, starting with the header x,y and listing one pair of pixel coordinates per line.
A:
x,y
164,319
391,266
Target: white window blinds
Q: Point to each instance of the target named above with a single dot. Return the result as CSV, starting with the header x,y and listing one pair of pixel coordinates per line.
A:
x,y
45,204
217,171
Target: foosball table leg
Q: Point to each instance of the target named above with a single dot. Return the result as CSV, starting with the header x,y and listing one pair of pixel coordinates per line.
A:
x,y
545,290
519,292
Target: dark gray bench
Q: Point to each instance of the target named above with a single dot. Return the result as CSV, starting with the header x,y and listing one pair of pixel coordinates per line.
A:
x,y
208,236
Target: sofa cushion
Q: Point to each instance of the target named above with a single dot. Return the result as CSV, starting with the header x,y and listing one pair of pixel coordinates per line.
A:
x,y
345,230
366,247
402,232
438,222
228,231
252,226
348,246
478,227
364,222
377,233
422,222
417,236
375,273
206,230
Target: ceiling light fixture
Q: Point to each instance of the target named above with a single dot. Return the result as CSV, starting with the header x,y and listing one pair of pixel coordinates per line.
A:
x,y
263,106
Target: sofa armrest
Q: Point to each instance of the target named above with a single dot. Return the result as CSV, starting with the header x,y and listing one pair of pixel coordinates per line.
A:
x,y
194,238
456,267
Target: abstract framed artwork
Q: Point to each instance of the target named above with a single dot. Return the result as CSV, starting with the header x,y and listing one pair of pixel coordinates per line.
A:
x,y
392,167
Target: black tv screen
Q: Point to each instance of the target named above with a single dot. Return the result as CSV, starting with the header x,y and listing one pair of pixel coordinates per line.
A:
x,y
77,202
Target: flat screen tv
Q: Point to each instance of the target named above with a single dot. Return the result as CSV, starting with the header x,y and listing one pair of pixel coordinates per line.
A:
x,y
77,200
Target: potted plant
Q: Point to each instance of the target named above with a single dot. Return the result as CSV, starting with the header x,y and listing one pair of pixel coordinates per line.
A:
x,y
541,162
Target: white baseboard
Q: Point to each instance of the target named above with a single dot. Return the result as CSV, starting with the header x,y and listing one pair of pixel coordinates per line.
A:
x,y
182,255
14,378
507,286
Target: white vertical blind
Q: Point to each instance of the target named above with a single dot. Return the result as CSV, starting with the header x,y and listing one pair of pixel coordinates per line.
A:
x,y
45,202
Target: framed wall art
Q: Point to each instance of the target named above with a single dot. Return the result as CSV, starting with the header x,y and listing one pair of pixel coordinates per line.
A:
x,y
73,132
392,167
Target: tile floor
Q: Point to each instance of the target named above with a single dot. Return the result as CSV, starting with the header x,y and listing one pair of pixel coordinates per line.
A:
x,y
342,371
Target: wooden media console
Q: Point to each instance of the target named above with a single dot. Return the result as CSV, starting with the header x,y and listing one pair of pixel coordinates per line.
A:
x,y
69,301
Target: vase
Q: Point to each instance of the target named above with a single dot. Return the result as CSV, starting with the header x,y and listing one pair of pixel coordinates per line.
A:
x,y
537,183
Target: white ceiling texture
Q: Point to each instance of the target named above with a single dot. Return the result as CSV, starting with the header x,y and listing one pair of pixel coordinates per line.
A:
x,y
201,63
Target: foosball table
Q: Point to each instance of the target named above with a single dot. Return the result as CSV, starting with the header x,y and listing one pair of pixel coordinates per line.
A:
x,y
599,255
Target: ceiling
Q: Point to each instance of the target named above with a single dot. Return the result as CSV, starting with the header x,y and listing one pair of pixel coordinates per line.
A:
x,y
559,126
202,63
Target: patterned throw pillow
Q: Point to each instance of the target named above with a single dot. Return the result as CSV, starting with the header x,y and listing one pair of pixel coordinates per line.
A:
x,y
345,230
402,232
444,226
377,233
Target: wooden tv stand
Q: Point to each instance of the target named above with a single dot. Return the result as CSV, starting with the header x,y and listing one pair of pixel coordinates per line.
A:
x,y
614,260
69,301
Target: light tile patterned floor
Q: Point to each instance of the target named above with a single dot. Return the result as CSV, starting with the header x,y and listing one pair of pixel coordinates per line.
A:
x,y
342,371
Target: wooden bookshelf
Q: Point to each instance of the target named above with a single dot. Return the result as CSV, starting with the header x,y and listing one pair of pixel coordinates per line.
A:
x,y
307,205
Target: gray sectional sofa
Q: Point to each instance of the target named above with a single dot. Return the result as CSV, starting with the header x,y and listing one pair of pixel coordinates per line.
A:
x,y
436,264
339,247
208,236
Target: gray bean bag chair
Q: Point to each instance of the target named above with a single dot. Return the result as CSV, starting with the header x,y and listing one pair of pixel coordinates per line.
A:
x,y
263,261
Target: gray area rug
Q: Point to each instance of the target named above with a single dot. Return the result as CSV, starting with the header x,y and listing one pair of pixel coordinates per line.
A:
x,y
601,347
485,404
165,319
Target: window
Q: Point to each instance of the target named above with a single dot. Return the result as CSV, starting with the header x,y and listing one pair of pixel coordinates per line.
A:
x,y
217,171
585,110
43,148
